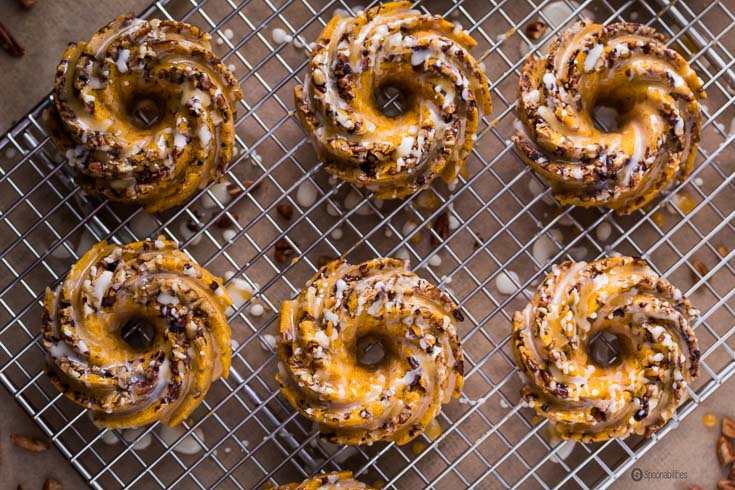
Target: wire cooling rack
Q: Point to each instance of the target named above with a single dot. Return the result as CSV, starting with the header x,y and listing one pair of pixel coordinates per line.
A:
x,y
504,227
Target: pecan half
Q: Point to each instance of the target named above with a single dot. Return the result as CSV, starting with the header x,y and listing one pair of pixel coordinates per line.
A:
x,y
728,427
726,485
725,451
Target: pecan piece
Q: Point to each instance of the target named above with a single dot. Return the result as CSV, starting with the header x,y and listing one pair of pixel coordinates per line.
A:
x,y
235,190
9,44
561,390
283,250
725,451
701,269
29,443
52,484
441,229
726,485
225,221
285,210
413,362
248,182
534,30
598,414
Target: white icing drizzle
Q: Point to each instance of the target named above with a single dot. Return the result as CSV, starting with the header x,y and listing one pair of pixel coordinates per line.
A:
x,y
593,57
636,156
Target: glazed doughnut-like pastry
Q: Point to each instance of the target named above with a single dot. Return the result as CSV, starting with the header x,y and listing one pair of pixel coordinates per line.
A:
x,y
655,93
144,111
339,314
329,481
553,340
427,59
137,333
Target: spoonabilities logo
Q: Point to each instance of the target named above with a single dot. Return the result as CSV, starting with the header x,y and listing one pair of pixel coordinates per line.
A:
x,y
637,474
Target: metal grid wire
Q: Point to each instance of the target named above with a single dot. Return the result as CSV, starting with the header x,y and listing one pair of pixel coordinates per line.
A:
x,y
504,219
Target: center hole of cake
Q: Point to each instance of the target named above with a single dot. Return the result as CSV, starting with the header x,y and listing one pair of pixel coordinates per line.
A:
x,y
605,349
138,333
605,118
370,351
145,111
391,100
